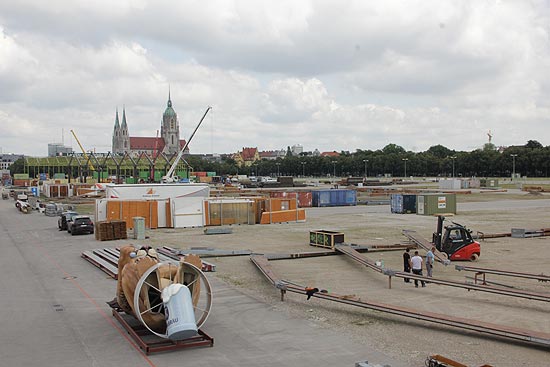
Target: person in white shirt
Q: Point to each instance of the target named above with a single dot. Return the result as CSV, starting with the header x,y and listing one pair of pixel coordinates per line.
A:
x,y
416,265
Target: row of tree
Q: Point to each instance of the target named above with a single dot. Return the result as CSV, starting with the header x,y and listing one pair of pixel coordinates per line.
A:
x,y
531,159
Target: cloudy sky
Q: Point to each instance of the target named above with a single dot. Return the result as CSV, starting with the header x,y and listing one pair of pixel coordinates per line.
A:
x,y
329,75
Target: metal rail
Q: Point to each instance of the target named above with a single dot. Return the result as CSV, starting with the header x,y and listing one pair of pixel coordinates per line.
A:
x,y
529,336
539,277
482,288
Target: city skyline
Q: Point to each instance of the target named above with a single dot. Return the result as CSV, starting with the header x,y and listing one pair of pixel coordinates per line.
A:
x,y
326,75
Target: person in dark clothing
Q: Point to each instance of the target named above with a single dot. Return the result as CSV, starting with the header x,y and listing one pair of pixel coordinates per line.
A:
x,y
407,264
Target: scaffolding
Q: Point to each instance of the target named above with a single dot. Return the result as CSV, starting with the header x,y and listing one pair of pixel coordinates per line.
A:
x,y
106,165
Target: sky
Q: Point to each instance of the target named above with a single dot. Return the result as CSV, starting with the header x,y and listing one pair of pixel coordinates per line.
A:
x,y
328,75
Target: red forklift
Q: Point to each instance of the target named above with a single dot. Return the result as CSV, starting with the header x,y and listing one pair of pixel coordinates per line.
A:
x,y
457,242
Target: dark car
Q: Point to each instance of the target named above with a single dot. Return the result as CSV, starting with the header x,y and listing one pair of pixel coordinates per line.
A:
x,y
65,219
80,224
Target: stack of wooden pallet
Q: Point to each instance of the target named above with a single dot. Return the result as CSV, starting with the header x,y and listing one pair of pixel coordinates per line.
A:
x,y
111,230
119,229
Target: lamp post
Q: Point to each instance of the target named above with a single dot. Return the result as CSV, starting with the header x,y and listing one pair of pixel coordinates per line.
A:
x,y
334,168
405,160
277,164
303,168
365,161
453,159
513,165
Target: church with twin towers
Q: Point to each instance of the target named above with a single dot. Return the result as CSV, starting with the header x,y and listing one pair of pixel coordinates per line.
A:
x,y
168,142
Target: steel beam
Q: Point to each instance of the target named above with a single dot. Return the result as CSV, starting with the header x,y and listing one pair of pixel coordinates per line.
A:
x,y
529,336
539,277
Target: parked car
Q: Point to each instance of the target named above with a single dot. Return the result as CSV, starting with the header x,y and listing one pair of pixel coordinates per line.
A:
x,y
80,224
64,219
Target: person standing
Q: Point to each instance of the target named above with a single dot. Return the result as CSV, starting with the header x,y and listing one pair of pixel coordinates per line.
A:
x,y
430,260
416,265
407,264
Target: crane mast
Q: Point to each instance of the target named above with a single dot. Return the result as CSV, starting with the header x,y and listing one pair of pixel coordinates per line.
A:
x,y
83,151
170,174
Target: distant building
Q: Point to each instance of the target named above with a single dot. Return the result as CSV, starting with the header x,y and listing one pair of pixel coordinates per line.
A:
x,y
330,154
246,157
272,154
6,160
168,142
297,149
56,149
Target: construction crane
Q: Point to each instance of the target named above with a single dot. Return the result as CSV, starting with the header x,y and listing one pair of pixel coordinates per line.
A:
x,y
83,152
170,177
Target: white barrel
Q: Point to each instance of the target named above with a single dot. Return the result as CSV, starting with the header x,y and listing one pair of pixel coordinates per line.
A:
x,y
180,316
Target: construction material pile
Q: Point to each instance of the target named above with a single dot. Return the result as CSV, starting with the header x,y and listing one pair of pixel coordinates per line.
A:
x,y
111,230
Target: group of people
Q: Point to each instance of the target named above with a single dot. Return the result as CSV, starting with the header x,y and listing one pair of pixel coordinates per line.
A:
x,y
414,264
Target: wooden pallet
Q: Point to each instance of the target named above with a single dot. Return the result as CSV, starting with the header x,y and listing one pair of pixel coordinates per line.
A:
x,y
151,343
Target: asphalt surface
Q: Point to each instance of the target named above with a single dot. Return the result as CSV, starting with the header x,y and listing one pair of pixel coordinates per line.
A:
x,y
54,313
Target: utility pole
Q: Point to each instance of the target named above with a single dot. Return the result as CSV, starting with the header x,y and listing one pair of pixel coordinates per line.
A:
x,y
405,160
453,159
365,161
513,165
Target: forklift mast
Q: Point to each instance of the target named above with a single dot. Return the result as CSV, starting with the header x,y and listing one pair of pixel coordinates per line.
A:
x,y
436,240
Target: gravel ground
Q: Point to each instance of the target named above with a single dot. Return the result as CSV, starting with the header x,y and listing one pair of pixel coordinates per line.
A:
x,y
405,339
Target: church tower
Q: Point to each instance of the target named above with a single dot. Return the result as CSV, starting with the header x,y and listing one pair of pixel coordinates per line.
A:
x,y
116,136
121,139
170,129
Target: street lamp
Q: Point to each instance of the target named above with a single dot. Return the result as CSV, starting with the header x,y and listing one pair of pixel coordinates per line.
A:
x,y
453,159
303,169
334,168
277,164
365,161
405,160
513,165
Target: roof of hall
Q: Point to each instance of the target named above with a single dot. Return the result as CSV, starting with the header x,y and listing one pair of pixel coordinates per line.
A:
x,y
148,143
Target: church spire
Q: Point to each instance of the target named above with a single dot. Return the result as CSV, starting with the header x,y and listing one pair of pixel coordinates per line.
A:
x,y
169,100
124,126
117,124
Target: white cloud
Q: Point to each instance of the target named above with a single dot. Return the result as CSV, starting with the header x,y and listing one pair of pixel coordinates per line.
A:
x,y
326,74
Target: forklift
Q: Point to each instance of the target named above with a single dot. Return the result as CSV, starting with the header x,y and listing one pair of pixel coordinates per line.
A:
x,y
457,242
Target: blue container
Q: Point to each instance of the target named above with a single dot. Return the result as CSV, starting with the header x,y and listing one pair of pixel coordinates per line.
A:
x,y
334,198
403,204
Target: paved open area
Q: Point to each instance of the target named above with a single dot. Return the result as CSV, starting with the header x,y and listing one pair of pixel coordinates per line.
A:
x,y
55,312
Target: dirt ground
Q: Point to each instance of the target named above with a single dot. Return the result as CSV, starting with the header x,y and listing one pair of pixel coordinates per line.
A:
x,y
405,339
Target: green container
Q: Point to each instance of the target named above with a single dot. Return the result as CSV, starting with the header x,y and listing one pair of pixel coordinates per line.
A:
x,y
96,174
183,174
488,182
59,176
130,180
327,239
144,174
158,175
21,176
210,174
434,204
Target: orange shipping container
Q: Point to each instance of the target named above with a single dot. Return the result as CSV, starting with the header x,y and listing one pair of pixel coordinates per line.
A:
x,y
126,210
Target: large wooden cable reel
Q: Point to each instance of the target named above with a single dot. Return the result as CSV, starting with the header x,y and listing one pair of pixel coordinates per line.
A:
x,y
148,305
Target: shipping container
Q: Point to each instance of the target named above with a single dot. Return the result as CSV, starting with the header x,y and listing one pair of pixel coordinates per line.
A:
x,y
403,203
334,198
434,204
286,181
327,239
488,182
227,211
59,176
210,174
21,176
21,182
199,174
451,184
